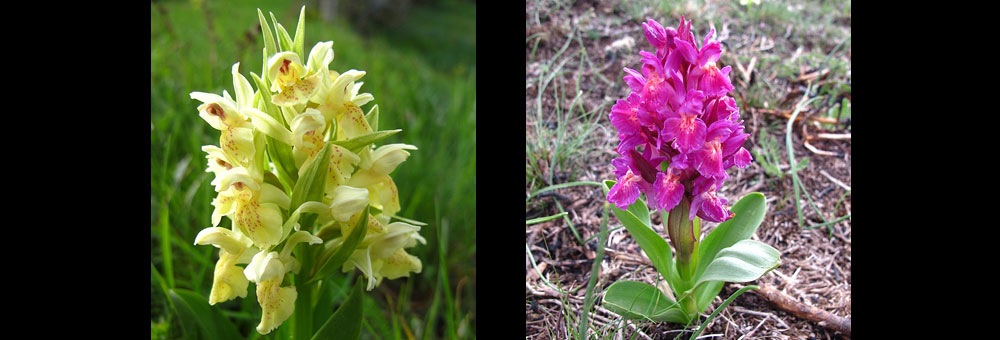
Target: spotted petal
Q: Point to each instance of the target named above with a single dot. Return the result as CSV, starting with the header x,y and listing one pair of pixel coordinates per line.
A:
x,y
276,303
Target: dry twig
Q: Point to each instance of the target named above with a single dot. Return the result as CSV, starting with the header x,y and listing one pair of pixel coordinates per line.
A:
x,y
819,316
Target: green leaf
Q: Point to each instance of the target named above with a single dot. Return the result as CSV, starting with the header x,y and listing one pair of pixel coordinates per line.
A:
x,y
640,211
269,47
280,153
749,213
720,308
355,144
284,41
300,33
544,219
641,301
345,323
705,293
333,258
198,319
265,94
745,261
310,186
653,244
372,117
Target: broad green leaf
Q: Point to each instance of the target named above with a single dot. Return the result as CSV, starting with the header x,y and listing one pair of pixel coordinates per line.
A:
x,y
332,259
638,300
655,247
641,212
746,260
310,186
749,213
355,144
199,320
705,293
345,323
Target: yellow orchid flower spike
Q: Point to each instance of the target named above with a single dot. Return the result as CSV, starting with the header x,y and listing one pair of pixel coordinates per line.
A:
x,y
300,134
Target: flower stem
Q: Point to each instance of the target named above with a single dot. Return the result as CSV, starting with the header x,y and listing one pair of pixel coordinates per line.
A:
x,y
303,303
684,234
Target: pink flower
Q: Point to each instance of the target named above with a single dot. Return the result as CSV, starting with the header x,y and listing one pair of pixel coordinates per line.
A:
x,y
625,191
678,112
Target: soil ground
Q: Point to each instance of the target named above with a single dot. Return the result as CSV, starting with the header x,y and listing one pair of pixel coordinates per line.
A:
x,y
777,50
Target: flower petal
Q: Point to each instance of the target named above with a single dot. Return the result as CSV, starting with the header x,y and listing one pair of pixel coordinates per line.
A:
x,y
265,266
634,79
348,201
276,303
386,158
228,281
352,122
400,264
689,131
625,191
260,221
222,238
668,191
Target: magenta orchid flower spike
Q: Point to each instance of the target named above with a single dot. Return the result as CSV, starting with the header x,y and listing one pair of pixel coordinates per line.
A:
x,y
678,133
678,130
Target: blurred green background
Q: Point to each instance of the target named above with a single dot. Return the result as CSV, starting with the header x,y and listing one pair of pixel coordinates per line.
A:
x,y
420,59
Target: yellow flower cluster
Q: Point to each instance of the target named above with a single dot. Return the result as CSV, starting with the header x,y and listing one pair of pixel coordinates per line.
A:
x,y
269,139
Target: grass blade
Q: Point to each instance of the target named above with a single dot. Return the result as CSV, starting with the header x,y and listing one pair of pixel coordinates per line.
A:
x,y
721,307
544,219
560,186
791,151
589,299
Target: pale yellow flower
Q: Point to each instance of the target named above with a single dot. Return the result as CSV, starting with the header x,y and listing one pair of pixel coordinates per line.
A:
x,y
347,201
277,303
234,248
252,205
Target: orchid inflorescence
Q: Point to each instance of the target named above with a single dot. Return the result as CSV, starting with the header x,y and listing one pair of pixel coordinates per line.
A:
x,y
296,163
679,113
679,132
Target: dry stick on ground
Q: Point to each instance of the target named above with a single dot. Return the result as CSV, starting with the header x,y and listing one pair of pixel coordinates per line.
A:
x,y
819,316
788,114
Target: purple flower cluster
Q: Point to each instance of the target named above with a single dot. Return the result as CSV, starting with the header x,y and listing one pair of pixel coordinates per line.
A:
x,y
678,113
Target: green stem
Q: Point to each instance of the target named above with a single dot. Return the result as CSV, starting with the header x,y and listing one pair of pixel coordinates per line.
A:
x,y
684,237
303,303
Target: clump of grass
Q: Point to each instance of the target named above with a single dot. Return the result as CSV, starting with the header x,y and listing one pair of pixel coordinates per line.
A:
x,y
767,153
561,135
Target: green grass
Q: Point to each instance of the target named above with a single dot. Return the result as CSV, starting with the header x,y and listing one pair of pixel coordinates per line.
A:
x,y
561,135
430,95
